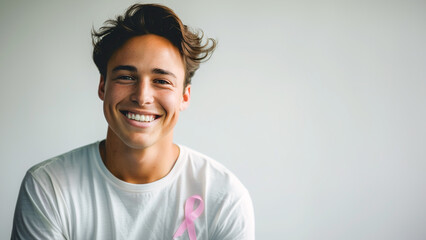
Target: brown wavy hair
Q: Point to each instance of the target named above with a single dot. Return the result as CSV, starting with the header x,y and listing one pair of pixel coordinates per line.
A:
x,y
141,19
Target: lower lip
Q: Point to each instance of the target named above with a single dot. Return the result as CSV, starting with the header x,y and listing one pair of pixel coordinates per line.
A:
x,y
138,124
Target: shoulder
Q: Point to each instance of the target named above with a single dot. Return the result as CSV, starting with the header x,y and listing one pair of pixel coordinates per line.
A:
x,y
65,165
227,201
41,208
209,167
215,179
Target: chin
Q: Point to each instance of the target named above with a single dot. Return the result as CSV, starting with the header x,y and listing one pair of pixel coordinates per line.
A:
x,y
138,143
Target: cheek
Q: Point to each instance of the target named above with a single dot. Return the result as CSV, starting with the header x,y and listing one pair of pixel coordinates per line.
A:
x,y
114,95
170,102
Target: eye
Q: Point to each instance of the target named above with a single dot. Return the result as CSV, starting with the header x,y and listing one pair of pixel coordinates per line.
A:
x,y
161,81
125,77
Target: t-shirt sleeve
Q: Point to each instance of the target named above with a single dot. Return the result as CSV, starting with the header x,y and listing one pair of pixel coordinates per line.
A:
x,y
36,215
235,221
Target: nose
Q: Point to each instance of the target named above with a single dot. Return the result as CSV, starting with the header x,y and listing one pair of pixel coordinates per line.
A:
x,y
143,93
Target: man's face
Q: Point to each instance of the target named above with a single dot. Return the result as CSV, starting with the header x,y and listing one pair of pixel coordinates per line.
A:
x,y
143,91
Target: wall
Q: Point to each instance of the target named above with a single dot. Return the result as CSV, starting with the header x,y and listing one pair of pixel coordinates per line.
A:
x,y
317,106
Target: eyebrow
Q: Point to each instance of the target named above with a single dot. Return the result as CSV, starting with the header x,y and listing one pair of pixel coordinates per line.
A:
x,y
131,68
125,67
162,72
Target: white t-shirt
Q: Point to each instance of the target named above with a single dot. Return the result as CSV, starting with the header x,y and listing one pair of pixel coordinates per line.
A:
x,y
74,196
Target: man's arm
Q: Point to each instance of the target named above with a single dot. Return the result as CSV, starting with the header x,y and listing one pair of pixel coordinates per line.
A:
x,y
235,220
36,216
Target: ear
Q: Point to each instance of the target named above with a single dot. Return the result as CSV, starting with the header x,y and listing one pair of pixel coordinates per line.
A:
x,y
186,97
101,88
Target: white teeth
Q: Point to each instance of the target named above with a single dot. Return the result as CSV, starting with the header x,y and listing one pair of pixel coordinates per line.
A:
x,y
140,118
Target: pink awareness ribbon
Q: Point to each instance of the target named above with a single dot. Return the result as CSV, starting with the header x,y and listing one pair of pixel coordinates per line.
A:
x,y
190,216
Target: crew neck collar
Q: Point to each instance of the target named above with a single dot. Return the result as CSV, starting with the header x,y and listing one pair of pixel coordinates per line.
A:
x,y
132,187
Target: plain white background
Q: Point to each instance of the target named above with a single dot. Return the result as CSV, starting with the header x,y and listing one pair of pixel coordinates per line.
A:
x,y
319,107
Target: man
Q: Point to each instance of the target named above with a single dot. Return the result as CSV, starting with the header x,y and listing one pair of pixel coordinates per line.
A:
x,y
137,184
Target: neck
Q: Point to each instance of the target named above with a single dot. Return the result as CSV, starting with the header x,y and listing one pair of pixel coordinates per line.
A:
x,y
141,165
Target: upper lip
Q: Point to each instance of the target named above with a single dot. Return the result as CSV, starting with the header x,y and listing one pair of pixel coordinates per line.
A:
x,y
140,112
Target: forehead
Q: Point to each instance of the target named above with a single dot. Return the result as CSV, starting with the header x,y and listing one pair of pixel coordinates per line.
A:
x,y
147,52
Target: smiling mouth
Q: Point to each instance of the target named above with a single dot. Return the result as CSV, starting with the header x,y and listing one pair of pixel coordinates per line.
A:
x,y
140,117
